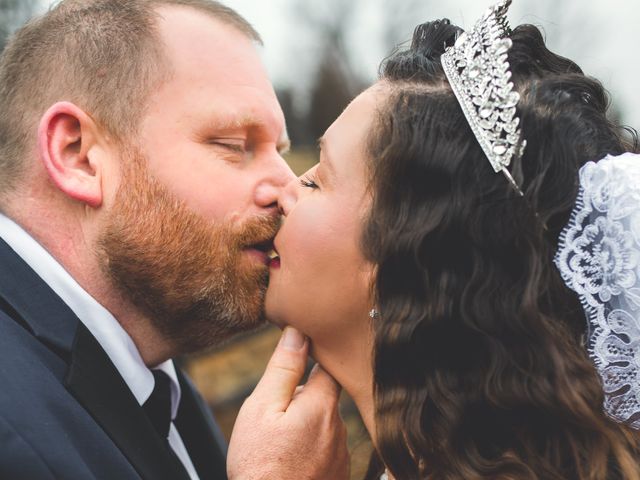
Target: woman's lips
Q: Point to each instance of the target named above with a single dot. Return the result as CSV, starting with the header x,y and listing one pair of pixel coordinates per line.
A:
x,y
274,258
274,263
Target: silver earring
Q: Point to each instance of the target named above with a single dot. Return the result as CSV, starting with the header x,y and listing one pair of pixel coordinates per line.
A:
x,y
374,313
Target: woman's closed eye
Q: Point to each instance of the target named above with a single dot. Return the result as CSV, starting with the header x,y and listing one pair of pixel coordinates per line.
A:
x,y
308,181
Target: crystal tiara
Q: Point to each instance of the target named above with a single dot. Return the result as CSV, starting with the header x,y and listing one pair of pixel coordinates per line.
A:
x,y
478,72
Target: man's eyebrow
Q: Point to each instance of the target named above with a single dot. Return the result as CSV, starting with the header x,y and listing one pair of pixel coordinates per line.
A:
x,y
235,123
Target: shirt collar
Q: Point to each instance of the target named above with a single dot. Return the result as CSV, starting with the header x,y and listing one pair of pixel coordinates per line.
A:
x,y
115,341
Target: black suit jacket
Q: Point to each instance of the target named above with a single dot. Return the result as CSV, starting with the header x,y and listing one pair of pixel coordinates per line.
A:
x,y
65,411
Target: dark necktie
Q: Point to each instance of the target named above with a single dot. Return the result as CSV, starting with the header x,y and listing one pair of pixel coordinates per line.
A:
x,y
158,405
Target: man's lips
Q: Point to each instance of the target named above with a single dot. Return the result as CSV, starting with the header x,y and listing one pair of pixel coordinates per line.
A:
x,y
264,251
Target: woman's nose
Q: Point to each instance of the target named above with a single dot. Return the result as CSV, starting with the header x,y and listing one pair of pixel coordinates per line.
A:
x,y
288,197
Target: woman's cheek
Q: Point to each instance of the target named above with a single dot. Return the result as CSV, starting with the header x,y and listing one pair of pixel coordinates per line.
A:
x,y
306,229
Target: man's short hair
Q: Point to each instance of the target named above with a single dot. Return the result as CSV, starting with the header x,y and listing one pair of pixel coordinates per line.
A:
x,y
105,56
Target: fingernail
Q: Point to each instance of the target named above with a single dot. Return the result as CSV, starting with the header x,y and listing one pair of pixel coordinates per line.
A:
x,y
292,339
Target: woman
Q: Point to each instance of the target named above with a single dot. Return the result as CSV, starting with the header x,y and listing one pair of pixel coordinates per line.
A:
x,y
427,283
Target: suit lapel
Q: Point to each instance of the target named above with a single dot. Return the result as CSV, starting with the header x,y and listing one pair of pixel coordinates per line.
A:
x,y
96,384
91,378
200,434
28,300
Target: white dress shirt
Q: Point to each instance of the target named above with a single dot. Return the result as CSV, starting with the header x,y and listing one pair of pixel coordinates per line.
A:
x,y
115,341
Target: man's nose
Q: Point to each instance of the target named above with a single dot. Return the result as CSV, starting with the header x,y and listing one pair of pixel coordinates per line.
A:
x,y
278,176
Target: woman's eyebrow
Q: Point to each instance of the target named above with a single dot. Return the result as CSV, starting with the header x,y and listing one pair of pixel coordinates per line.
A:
x,y
326,157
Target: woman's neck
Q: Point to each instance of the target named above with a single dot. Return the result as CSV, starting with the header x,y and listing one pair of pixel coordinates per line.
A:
x,y
351,366
353,369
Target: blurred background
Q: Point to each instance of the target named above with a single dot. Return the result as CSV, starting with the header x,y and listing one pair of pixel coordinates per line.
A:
x,y
320,54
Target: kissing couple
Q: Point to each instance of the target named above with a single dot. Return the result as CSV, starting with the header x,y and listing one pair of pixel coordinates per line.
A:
x,y
463,260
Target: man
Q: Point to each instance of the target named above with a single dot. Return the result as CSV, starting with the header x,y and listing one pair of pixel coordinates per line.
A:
x,y
140,151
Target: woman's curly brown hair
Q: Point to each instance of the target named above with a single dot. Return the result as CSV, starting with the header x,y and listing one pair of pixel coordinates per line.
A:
x,y
480,368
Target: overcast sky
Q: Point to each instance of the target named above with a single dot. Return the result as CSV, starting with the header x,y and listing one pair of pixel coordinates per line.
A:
x,y
602,36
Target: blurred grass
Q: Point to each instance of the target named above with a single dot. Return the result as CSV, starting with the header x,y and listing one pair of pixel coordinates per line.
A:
x,y
226,375
301,160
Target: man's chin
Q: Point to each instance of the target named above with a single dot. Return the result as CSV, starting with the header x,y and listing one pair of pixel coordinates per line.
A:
x,y
198,344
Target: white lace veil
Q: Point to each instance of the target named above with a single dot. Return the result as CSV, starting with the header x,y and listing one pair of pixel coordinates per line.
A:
x,y
599,258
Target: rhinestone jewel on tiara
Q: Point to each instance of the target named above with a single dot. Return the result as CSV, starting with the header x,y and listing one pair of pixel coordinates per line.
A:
x,y
478,71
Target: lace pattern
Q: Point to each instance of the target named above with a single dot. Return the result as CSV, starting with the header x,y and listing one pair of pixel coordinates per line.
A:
x,y
599,258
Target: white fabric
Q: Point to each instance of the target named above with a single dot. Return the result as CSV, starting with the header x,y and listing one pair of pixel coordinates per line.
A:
x,y
115,341
599,258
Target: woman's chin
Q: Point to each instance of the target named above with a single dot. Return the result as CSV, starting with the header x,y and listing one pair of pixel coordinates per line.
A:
x,y
273,314
276,322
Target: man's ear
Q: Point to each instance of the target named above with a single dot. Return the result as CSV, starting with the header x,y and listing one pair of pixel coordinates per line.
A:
x,y
67,146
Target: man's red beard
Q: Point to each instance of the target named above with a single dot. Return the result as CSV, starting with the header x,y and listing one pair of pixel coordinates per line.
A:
x,y
187,274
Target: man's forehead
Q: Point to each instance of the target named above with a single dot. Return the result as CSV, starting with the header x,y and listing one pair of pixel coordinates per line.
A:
x,y
223,64
189,33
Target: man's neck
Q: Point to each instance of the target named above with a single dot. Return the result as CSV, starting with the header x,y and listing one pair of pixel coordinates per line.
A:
x,y
71,243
